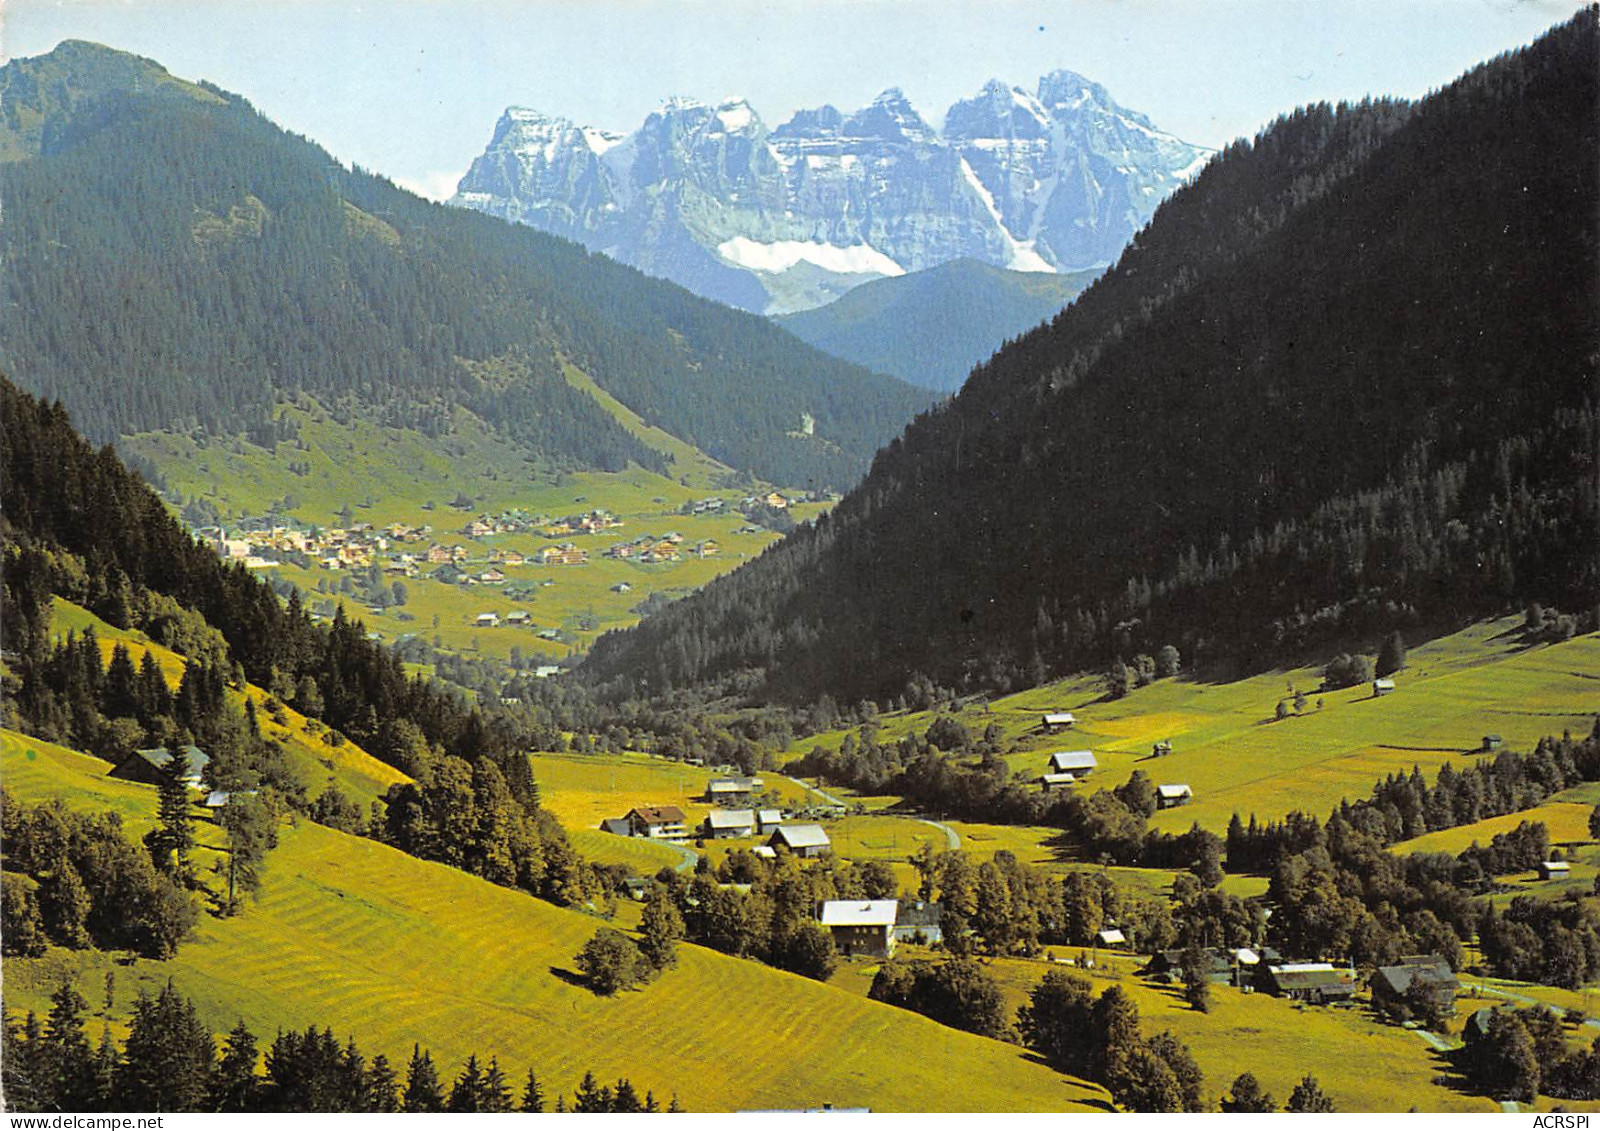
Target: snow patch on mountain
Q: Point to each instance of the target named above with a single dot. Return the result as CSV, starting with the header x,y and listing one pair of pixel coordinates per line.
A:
x,y
781,255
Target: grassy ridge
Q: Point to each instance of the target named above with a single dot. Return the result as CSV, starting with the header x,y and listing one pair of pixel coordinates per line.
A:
x,y
352,934
358,774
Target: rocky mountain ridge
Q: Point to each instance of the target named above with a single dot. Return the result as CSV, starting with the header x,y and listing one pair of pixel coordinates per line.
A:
x,y
778,220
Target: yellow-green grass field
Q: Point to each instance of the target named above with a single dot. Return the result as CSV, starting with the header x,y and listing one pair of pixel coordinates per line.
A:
x,y
644,857
1229,749
1039,846
1364,1065
1567,821
584,789
356,936
358,774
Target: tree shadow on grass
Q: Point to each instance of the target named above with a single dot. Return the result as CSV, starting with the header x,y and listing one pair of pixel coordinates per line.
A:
x,y
1451,1072
1097,1104
571,977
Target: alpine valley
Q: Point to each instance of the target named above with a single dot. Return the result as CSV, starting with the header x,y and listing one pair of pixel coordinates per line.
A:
x,y
446,669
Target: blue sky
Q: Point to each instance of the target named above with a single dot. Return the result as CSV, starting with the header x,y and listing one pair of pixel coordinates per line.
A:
x,y
412,88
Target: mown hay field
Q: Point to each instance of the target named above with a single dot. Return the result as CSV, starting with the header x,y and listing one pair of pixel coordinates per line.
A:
x,y
1230,748
356,936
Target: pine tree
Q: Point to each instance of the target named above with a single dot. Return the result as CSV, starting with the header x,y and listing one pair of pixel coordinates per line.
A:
x,y
234,1087
382,1086
1308,1096
423,1092
660,929
1392,657
532,1094
71,1063
174,840
496,1092
250,828
467,1094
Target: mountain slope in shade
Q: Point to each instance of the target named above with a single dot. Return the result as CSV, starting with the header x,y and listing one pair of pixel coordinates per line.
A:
x,y
931,327
176,261
1341,384
788,218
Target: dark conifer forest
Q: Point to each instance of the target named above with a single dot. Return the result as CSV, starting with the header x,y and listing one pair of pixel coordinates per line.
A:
x,y
1343,383
176,261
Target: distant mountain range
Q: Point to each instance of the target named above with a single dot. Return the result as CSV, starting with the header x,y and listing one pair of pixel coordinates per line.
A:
x,y
1342,385
931,327
777,220
173,260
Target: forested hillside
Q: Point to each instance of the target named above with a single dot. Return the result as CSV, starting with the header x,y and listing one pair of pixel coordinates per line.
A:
x,y
1341,384
931,327
176,261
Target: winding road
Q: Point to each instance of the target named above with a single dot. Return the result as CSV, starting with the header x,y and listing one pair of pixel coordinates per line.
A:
x,y
951,837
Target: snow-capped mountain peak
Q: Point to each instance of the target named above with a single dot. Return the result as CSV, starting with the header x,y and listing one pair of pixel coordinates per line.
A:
x,y
789,218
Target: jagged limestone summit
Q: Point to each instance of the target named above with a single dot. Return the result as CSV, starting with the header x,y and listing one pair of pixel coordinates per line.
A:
x,y
777,220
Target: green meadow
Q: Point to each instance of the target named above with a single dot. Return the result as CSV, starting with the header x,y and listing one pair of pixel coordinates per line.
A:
x,y
405,951
1231,750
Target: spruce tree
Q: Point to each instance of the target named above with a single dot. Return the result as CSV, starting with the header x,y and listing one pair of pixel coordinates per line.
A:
x,y
1196,967
1392,657
382,1086
467,1094
660,929
1308,1096
532,1094
626,1099
423,1092
174,839
1246,1096
496,1092
121,699
592,1096
71,1063
106,1058
24,1066
234,1088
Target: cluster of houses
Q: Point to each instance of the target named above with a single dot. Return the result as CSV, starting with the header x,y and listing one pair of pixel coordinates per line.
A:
x,y
667,547
1068,767
259,543
1317,983
521,522
669,823
591,523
